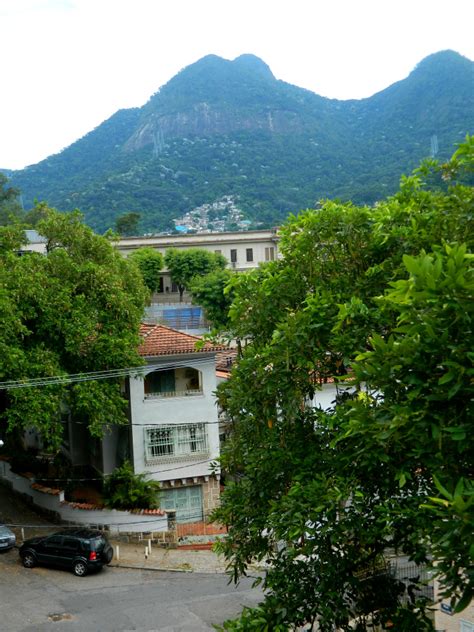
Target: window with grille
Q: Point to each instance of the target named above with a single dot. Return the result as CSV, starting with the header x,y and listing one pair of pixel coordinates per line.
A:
x,y
180,441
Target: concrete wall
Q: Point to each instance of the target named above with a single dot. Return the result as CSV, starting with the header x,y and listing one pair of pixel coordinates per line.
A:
x,y
52,500
176,410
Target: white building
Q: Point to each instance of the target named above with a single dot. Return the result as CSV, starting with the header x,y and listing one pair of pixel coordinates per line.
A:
x,y
173,430
174,423
243,250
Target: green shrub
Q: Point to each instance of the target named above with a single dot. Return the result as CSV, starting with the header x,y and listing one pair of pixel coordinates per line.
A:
x,y
124,489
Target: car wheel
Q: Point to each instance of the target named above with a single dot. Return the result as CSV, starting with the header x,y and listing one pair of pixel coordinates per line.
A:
x,y
109,553
28,560
79,568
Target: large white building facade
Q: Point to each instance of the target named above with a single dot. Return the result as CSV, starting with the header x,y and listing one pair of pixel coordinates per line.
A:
x,y
243,250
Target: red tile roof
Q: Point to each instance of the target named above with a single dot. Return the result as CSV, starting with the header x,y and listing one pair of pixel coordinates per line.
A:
x,y
160,340
225,359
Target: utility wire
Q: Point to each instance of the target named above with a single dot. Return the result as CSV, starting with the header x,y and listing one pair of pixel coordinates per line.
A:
x,y
71,378
101,478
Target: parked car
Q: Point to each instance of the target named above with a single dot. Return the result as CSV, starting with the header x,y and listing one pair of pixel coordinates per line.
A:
x,y
7,538
80,550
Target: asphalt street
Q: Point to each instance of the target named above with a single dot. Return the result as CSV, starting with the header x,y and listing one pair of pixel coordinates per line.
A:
x,y
113,600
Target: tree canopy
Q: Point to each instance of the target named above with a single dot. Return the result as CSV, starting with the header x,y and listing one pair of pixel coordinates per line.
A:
x,y
150,262
74,310
380,299
10,207
211,293
186,265
127,223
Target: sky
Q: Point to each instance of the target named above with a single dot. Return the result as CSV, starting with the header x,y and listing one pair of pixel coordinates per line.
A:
x,y
68,65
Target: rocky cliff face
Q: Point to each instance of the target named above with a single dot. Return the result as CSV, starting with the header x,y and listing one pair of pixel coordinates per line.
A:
x,y
203,119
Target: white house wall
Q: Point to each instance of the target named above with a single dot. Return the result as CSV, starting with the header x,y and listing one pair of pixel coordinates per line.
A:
x,y
175,411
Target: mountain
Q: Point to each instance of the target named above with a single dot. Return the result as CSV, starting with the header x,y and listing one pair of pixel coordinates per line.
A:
x,y
230,128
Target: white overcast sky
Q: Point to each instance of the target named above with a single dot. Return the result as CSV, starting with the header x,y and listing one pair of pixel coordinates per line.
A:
x,y
67,65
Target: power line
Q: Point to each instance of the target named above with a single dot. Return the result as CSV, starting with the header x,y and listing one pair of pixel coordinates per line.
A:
x,y
101,478
71,378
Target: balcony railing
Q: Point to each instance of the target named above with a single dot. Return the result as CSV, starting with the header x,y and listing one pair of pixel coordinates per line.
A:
x,y
190,392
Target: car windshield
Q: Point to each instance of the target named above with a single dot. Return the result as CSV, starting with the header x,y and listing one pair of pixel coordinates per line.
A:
x,y
4,530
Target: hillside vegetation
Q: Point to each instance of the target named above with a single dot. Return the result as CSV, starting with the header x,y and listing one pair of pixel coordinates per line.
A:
x,y
231,128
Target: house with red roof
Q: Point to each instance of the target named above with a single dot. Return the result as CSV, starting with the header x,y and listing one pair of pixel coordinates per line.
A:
x,y
174,429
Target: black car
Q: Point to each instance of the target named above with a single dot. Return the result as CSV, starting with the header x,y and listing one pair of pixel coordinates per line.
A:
x,y
80,550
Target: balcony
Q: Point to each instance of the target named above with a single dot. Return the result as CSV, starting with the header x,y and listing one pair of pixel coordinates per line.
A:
x,y
190,392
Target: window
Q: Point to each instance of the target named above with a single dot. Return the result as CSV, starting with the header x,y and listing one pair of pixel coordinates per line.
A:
x,y
249,254
218,252
466,626
233,256
180,441
70,543
269,253
160,382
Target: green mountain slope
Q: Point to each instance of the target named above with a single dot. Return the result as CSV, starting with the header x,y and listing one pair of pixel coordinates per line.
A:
x,y
230,128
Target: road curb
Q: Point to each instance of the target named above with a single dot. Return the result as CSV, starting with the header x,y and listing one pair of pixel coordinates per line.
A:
x,y
163,569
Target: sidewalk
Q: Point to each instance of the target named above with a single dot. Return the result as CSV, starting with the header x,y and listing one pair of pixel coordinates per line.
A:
x,y
132,555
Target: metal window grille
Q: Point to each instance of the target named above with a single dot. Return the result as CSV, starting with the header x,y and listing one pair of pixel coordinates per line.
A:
x,y
180,441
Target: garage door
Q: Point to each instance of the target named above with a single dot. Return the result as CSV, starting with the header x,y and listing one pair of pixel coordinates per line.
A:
x,y
186,501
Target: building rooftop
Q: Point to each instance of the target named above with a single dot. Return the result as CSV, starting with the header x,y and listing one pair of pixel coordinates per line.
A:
x,y
159,340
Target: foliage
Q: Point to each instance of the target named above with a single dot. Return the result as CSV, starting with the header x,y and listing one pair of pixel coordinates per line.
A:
x,y
210,292
274,147
75,310
127,224
185,265
123,489
10,208
150,262
381,297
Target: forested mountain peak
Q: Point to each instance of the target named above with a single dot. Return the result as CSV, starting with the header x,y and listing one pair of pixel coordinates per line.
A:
x,y
223,128
444,61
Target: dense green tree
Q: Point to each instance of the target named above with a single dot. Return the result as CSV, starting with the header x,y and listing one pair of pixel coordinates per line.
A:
x,y
211,293
10,207
150,263
74,310
185,265
127,224
384,294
